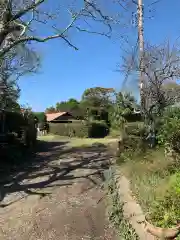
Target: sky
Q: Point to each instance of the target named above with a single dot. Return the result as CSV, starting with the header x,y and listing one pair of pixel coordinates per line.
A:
x,y
66,73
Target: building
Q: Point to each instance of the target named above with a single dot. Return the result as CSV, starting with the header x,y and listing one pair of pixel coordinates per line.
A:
x,y
59,117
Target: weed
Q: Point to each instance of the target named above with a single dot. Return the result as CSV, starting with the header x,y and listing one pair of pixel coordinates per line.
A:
x,y
115,209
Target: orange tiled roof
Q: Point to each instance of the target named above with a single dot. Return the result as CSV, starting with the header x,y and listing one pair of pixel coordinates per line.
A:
x,y
53,116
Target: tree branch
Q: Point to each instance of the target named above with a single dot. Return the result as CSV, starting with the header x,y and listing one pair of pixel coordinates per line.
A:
x,y
37,39
26,10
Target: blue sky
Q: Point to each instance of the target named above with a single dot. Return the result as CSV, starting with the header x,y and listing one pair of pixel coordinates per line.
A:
x,y
66,73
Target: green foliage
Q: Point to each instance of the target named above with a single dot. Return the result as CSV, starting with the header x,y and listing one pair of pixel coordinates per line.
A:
x,y
122,109
67,106
97,129
130,148
169,131
40,116
18,131
51,110
69,129
136,128
82,129
115,209
96,103
165,211
72,105
11,120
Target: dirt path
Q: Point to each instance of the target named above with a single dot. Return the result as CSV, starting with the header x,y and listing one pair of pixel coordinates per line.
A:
x,y
58,197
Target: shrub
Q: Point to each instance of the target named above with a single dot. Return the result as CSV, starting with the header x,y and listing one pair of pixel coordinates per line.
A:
x,y
11,120
169,132
98,129
172,112
165,211
130,148
70,129
135,128
133,117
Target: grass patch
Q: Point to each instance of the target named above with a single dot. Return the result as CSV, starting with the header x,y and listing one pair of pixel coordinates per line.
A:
x,y
78,142
148,175
155,183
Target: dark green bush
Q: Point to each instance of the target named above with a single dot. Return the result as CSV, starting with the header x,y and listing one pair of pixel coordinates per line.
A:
x,y
98,129
11,121
133,117
135,128
70,129
17,126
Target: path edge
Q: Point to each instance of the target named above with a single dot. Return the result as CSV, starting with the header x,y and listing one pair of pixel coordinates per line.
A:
x,y
132,211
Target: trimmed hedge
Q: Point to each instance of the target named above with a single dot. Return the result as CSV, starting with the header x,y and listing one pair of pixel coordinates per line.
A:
x,y
81,129
70,129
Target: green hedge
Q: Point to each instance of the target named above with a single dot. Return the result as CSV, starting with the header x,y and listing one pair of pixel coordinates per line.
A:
x,y
81,129
70,129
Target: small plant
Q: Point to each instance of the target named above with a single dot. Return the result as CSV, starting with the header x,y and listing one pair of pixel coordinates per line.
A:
x,y
166,211
115,209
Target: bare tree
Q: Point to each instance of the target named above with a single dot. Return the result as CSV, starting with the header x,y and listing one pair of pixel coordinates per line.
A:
x,y
23,21
161,66
20,18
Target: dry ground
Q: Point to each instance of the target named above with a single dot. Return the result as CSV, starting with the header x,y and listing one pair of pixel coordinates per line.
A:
x,y
58,195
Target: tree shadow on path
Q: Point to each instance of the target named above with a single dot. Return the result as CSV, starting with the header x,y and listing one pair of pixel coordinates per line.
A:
x,y
54,165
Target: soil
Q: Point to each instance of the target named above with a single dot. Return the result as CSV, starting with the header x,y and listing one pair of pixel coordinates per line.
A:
x,y
57,195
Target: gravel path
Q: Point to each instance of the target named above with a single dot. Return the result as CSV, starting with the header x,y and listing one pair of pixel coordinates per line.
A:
x,y
58,197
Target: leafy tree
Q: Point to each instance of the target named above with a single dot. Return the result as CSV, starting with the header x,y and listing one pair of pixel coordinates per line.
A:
x,y
50,110
96,102
9,93
67,106
123,106
72,105
40,116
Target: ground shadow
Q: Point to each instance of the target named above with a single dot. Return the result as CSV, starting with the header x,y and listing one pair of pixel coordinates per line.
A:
x,y
54,164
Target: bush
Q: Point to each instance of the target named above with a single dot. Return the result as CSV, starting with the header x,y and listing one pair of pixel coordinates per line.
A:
x,y
130,148
98,129
169,132
70,129
135,128
166,211
11,120
80,129
133,117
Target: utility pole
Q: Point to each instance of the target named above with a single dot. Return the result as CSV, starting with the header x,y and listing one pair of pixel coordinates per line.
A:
x,y
140,12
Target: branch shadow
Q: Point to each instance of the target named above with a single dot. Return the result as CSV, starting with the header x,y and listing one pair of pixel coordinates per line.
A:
x,y
54,164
